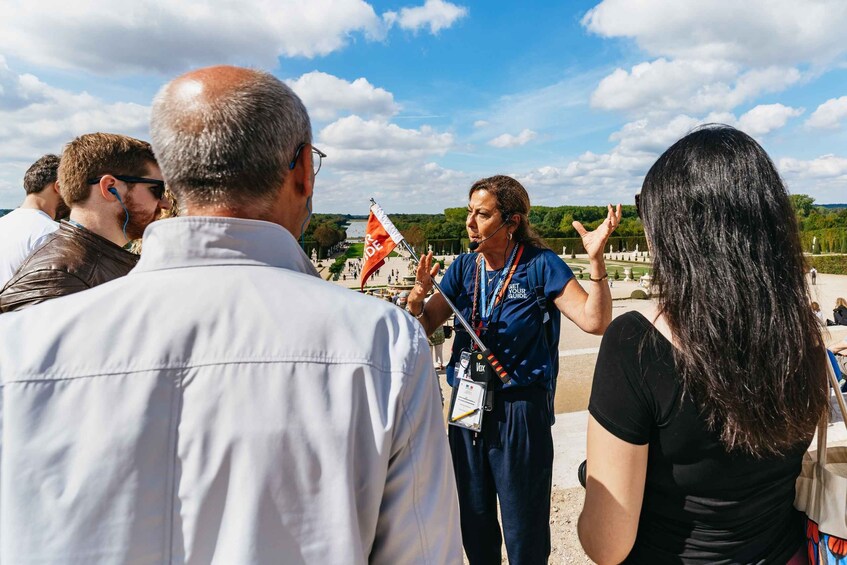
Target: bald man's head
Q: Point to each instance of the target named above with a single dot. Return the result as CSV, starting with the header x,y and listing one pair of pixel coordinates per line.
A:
x,y
224,136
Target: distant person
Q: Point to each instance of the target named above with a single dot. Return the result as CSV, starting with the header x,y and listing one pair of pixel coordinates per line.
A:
x,y
816,308
114,189
436,346
700,414
205,408
839,313
813,273
24,229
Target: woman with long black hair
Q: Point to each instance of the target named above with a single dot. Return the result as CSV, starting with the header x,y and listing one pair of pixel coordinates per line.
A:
x,y
701,410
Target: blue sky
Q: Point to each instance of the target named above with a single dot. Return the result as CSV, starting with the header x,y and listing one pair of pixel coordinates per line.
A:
x,y
415,100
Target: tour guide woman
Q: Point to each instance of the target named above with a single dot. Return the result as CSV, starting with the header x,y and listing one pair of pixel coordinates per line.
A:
x,y
701,410
511,458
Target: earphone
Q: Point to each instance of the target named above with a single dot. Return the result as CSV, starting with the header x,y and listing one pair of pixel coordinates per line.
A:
x,y
114,191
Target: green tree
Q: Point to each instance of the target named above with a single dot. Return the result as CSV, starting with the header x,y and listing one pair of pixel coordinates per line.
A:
x,y
802,204
553,218
414,235
326,236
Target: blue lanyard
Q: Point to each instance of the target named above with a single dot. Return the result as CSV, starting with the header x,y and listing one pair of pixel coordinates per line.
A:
x,y
487,306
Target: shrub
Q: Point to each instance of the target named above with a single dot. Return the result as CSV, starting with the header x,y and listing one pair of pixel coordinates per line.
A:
x,y
829,264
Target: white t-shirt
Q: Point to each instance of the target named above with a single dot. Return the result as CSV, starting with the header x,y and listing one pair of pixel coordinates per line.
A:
x,y
21,231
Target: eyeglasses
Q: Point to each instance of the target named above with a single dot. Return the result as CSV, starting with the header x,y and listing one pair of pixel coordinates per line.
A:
x,y
157,187
637,207
317,158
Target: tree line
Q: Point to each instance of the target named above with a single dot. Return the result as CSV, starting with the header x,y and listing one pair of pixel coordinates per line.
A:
x,y
447,230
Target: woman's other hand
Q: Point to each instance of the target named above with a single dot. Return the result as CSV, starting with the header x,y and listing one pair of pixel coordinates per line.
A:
x,y
595,241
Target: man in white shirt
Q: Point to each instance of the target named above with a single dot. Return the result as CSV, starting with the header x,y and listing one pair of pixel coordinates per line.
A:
x,y
221,403
23,229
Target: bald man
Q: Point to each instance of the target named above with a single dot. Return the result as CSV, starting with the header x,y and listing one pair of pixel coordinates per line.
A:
x,y
221,403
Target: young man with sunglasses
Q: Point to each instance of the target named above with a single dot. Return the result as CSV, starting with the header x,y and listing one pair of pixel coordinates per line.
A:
x,y
114,188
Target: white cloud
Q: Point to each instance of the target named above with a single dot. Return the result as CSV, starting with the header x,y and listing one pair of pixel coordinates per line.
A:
x,y
48,117
508,140
714,56
824,167
607,177
766,118
824,177
592,177
144,35
392,164
424,187
645,137
353,143
757,33
18,91
617,174
435,14
697,86
480,124
41,119
829,114
327,96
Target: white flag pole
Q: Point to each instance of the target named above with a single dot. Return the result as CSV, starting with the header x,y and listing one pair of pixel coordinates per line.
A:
x,y
391,227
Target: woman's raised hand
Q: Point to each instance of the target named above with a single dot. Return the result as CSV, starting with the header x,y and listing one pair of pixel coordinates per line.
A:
x,y
595,241
423,277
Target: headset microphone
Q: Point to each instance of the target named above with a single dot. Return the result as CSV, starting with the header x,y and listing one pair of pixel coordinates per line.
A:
x,y
475,244
114,191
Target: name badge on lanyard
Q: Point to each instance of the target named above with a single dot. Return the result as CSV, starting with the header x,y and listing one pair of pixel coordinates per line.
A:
x,y
468,402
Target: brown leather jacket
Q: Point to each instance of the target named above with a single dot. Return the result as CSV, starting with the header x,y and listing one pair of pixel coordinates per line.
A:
x,y
72,259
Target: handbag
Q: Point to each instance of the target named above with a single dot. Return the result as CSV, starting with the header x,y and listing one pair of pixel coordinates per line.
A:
x,y
821,492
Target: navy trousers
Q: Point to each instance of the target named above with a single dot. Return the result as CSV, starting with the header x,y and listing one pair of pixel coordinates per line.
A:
x,y
510,460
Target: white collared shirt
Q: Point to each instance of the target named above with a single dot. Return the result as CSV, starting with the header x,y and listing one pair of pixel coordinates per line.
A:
x,y
21,231
222,404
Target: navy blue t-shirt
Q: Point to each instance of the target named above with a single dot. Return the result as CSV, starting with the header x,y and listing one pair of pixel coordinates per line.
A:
x,y
515,332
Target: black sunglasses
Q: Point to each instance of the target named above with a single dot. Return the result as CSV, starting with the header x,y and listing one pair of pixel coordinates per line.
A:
x,y
157,187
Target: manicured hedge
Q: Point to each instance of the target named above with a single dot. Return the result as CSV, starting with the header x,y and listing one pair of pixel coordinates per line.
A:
x,y
830,264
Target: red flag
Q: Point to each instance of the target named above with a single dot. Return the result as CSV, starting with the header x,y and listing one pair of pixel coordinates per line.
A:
x,y
381,237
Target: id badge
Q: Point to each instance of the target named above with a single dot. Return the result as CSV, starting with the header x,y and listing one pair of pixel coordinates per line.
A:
x,y
463,365
468,402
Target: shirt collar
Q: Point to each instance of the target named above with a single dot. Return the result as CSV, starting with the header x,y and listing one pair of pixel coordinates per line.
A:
x,y
195,241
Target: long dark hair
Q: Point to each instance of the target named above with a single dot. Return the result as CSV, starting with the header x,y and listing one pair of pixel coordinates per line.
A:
x,y
729,271
512,198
